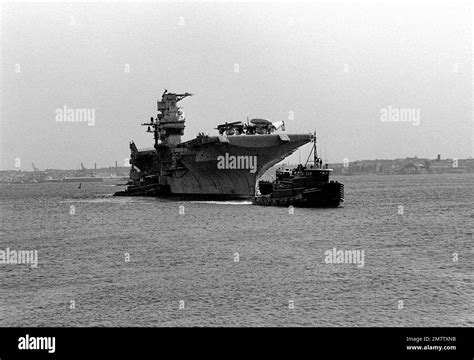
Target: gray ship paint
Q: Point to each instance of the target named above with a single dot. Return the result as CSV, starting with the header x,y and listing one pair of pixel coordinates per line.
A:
x,y
237,162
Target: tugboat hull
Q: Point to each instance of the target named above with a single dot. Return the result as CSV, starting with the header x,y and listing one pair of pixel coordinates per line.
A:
x,y
328,195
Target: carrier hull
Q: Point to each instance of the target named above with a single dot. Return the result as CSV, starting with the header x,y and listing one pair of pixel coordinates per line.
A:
x,y
198,174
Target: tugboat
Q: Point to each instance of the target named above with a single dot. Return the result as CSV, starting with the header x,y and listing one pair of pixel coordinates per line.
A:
x,y
304,186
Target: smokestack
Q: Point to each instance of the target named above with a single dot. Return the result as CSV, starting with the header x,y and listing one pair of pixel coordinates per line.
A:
x,y
116,164
438,158
95,166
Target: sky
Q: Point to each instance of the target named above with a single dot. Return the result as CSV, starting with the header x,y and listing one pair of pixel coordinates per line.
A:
x,y
344,70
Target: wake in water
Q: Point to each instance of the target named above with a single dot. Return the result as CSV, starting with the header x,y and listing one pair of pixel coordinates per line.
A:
x,y
223,202
97,198
91,196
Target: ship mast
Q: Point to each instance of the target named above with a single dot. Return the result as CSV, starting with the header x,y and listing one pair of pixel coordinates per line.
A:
x,y
168,126
313,151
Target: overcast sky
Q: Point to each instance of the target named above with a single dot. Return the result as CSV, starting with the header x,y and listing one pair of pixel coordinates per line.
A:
x,y
332,68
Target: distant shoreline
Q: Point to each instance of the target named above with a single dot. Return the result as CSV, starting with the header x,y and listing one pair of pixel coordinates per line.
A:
x,y
406,166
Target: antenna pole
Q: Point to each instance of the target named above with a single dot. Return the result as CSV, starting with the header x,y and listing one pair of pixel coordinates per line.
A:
x,y
315,149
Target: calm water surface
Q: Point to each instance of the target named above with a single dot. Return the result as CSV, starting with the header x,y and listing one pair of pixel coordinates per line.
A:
x,y
190,257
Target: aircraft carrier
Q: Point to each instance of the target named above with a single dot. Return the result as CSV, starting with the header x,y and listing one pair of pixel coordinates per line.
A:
x,y
221,167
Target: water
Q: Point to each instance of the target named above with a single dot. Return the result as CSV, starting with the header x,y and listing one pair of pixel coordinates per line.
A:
x,y
191,258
